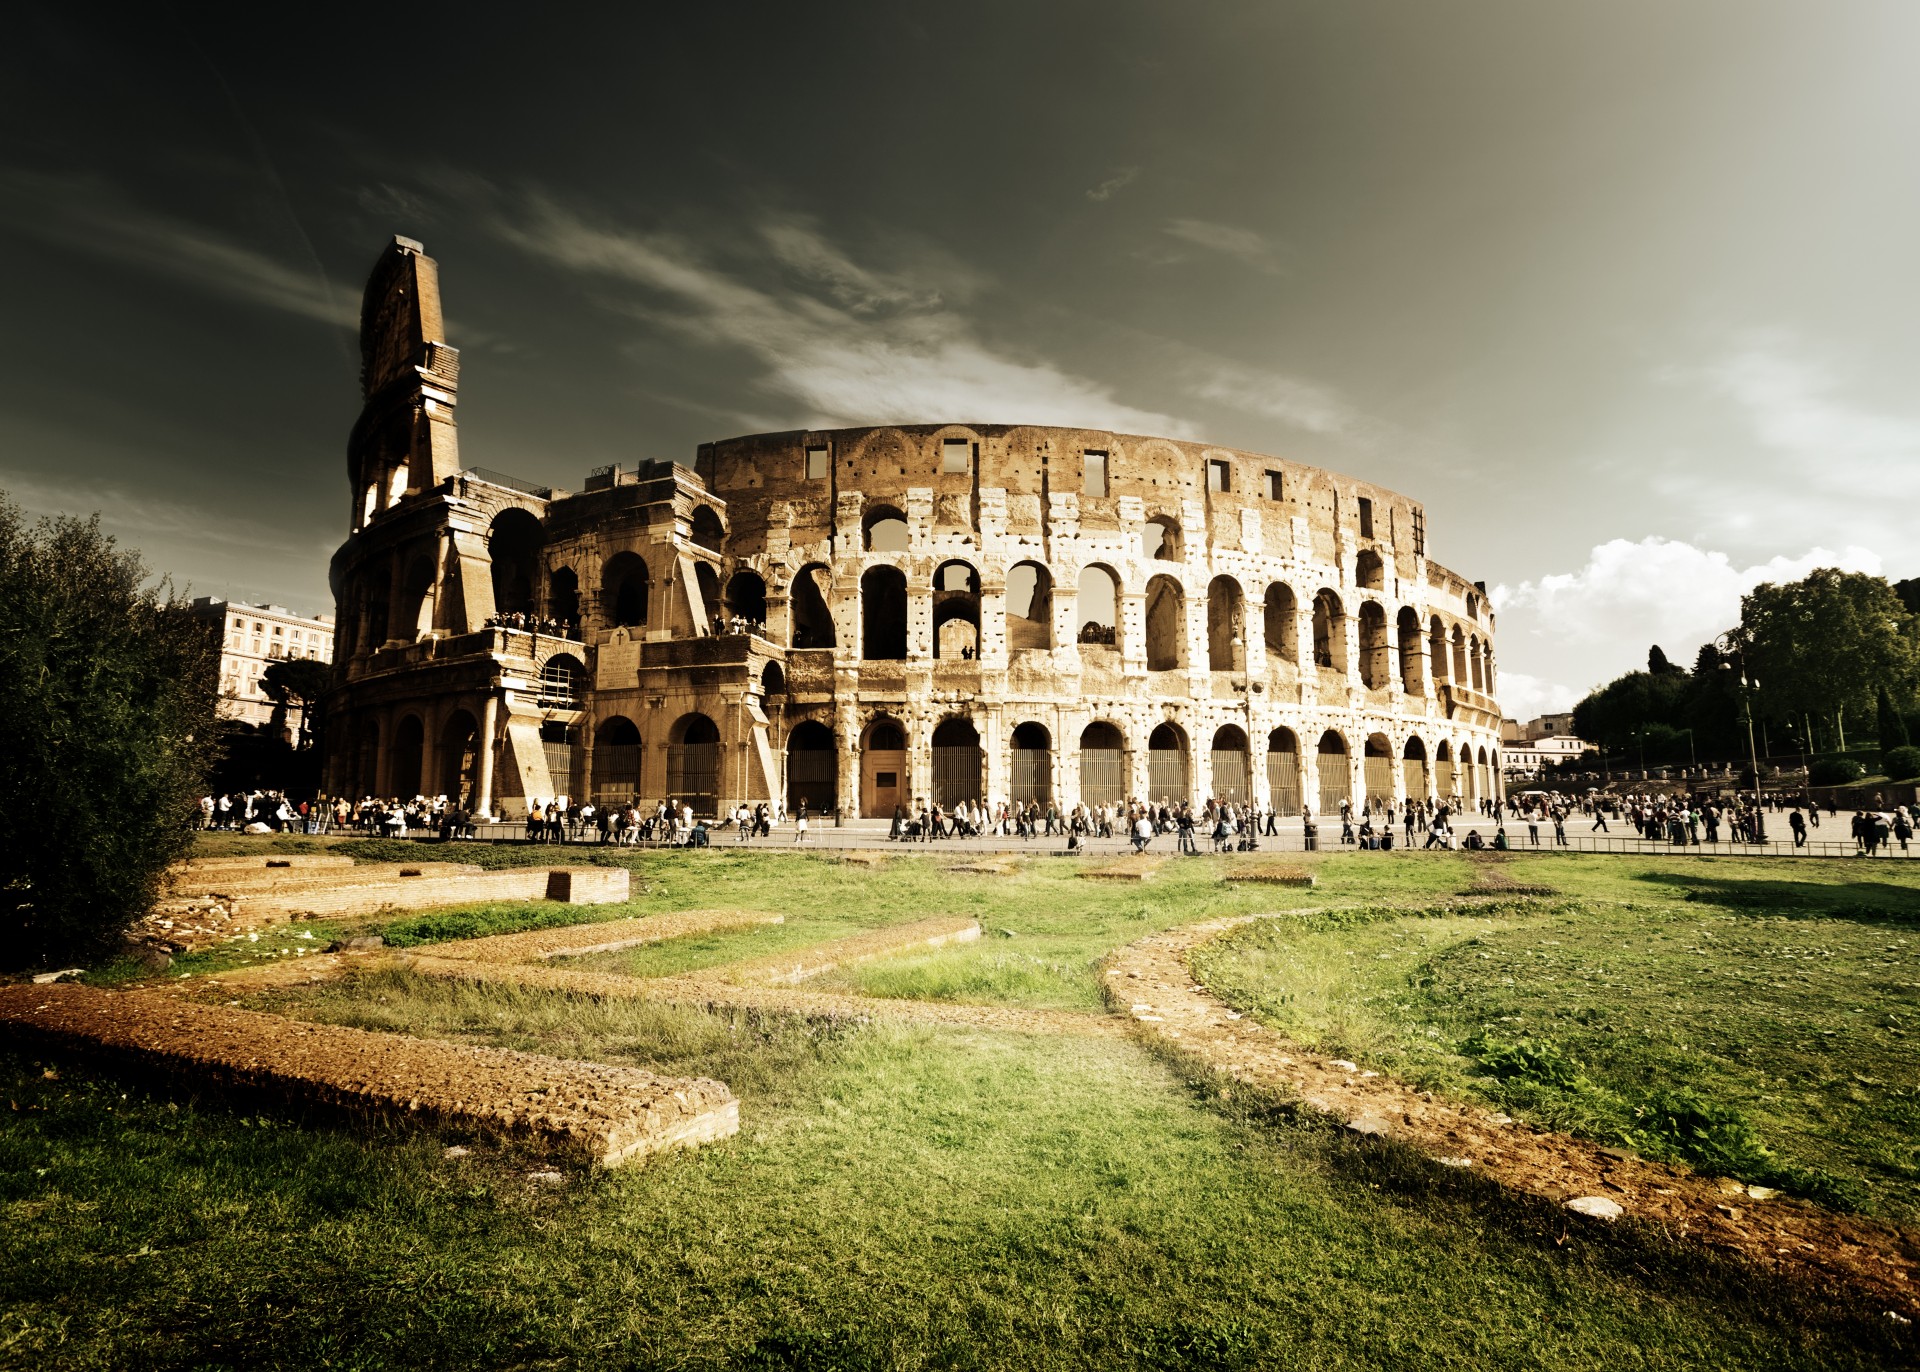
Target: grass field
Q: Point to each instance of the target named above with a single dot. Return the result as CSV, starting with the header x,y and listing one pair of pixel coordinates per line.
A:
x,y
921,1197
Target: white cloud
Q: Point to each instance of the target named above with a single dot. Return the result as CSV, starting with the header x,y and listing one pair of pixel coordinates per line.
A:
x,y
1561,635
1243,244
90,216
847,343
1274,395
1119,181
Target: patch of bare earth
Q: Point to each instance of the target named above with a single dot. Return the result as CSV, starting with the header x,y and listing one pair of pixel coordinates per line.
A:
x,y
1152,984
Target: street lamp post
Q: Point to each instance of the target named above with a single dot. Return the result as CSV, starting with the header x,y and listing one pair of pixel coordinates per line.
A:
x,y
1747,687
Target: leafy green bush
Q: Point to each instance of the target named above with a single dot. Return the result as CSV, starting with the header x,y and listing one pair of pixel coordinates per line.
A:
x,y
1540,1061
1902,763
1835,771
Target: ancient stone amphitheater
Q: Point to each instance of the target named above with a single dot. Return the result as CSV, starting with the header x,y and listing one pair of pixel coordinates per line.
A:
x,y
861,618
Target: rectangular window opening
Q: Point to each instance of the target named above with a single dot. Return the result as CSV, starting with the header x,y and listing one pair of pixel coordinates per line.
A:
x,y
1420,533
1276,486
956,455
818,462
1096,483
1219,475
1366,517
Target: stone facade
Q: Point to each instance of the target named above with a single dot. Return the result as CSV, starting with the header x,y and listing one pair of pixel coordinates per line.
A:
x,y
868,617
250,638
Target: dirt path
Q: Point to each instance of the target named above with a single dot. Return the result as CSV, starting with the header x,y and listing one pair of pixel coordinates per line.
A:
x,y
1152,984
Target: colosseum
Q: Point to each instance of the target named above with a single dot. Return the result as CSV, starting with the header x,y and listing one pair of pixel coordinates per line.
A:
x,y
856,619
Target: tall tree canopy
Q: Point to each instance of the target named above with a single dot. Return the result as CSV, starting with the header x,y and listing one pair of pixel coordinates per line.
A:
x,y
107,690
1828,642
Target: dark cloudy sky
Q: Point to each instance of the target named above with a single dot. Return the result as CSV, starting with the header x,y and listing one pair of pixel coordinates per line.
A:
x,y
1622,289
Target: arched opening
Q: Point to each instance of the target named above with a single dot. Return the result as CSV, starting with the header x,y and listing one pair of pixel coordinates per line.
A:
x,y
1473,664
616,761
707,531
1032,758
409,739
1103,764
1329,632
416,603
459,758
807,606
1373,646
1413,768
885,530
883,768
1482,783
883,614
513,547
1166,625
563,597
1443,769
956,762
1369,572
1160,539
557,742
562,681
626,590
773,680
1029,607
379,593
1226,626
708,582
1167,764
1283,637
1408,632
747,598
1437,649
813,768
1099,606
956,612
1232,779
1336,784
366,758
693,764
1283,771
1376,769
1459,643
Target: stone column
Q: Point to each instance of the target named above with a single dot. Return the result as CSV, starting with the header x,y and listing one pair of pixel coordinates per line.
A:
x,y
485,745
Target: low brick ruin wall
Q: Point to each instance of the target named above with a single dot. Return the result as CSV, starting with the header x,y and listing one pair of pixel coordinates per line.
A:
x,y
583,1111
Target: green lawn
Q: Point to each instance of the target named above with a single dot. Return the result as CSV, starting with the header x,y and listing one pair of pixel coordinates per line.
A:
x,y
898,1197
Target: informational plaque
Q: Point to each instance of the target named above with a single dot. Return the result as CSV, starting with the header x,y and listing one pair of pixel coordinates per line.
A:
x,y
617,665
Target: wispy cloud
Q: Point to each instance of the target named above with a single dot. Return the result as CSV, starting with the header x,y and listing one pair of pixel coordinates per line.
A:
x,y
843,342
1113,185
1274,395
1244,245
94,218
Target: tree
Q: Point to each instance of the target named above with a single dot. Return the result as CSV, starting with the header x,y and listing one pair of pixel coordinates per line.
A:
x,y
1658,665
301,681
107,690
1893,729
1825,644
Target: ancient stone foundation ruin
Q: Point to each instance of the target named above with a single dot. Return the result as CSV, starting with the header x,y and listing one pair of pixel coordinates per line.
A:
x,y
858,619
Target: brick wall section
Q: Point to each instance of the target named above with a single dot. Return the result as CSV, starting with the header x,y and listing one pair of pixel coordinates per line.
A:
x,y
290,881
224,864
420,893
585,1112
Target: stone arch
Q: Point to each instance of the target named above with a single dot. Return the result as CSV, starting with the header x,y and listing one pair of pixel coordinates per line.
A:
x,y
1437,649
514,542
693,763
1166,625
459,758
1160,539
956,761
883,614
1443,769
1029,606
563,681
807,608
706,529
1412,674
1458,642
409,743
1329,631
1167,770
1473,664
1099,605
956,611
1103,764
1232,779
773,679
1031,759
1336,781
1226,626
626,590
883,768
563,596
416,598
883,529
1370,571
1413,767
1374,648
1376,769
747,596
616,760
1283,771
813,768
1282,609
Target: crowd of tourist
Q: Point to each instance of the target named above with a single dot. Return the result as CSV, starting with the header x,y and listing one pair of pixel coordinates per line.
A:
x,y
536,624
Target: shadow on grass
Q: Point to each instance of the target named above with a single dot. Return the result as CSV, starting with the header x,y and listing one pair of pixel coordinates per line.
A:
x,y
1865,902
